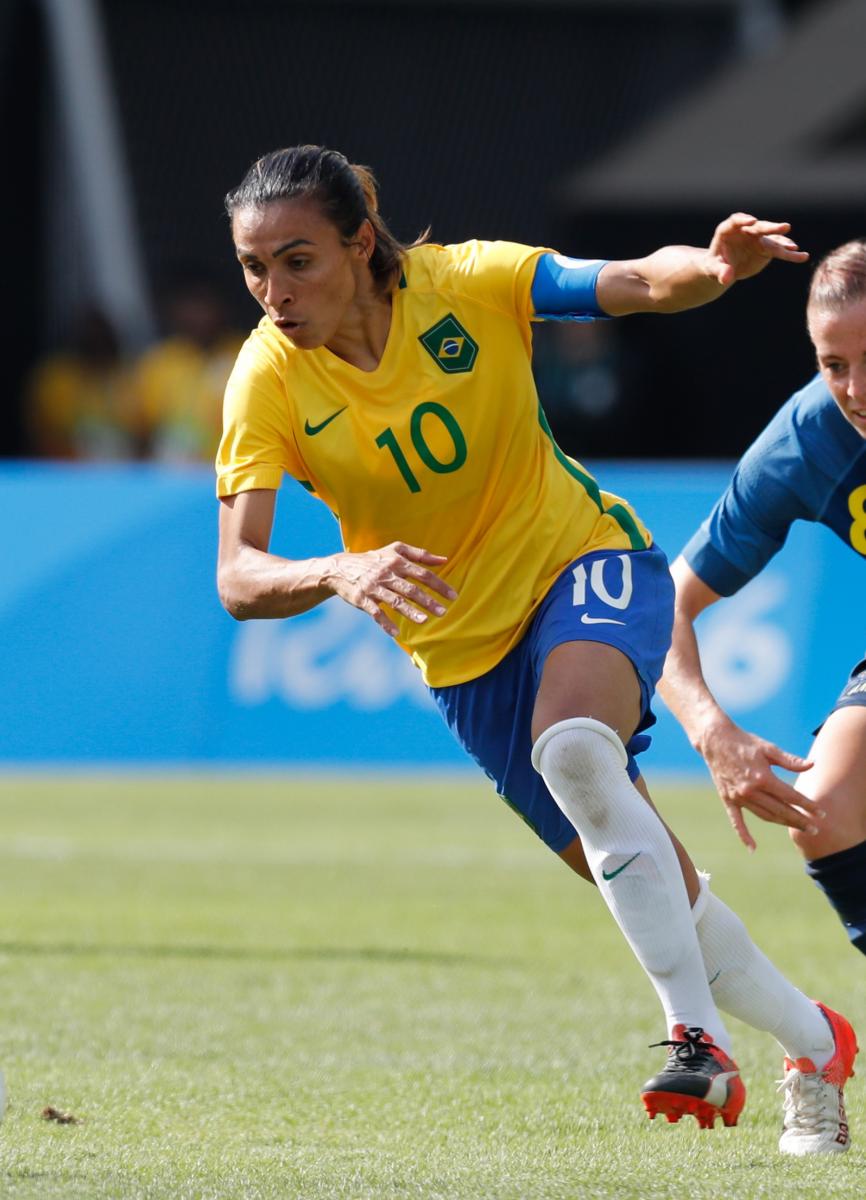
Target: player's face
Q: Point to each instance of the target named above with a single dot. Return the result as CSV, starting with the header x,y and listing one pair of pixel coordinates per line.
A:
x,y
840,344
296,264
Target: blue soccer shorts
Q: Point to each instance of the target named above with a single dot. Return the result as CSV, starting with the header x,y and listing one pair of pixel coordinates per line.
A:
x,y
623,599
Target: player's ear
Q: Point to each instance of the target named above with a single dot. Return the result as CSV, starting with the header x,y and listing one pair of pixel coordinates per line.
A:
x,y
365,239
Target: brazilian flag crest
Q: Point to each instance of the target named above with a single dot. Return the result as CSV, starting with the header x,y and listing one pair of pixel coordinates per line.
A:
x,y
450,346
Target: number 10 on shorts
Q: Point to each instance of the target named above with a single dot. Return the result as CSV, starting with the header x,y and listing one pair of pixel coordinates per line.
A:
x,y
595,577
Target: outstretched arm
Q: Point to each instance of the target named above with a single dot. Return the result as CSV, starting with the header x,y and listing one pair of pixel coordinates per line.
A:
x,y
740,763
680,277
253,582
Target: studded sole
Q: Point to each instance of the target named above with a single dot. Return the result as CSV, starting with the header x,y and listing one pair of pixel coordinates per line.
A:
x,y
674,1105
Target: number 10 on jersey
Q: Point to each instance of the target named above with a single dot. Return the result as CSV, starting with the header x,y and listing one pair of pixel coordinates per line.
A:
x,y
387,440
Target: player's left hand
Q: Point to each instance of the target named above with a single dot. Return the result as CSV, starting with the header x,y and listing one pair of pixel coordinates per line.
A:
x,y
742,246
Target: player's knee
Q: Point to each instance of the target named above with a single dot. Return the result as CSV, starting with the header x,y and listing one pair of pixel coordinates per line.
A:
x,y
580,756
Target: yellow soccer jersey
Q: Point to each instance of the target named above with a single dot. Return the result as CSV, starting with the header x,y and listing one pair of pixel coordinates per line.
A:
x,y
443,446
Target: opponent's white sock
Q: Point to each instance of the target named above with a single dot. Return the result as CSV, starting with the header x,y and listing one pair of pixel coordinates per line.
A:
x,y
633,862
745,984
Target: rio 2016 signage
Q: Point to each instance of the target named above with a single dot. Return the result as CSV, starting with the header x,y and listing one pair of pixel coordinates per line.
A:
x,y
116,649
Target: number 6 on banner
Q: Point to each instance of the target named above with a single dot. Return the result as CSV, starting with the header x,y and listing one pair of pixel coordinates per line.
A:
x,y
596,582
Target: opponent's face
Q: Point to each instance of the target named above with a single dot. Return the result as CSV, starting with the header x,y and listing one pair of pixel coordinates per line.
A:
x,y
299,269
840,344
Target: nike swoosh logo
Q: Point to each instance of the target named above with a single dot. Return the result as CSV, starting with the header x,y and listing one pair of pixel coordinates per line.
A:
x,y
586,619
312,430
619,870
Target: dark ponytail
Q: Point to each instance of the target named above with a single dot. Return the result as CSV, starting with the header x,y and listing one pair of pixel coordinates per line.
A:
x,y
346,193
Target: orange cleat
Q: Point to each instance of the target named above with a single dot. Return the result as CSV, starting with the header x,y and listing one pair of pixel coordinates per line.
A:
x,y
814,1119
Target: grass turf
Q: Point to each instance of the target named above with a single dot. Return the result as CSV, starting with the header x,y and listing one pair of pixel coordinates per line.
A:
x,y
256,987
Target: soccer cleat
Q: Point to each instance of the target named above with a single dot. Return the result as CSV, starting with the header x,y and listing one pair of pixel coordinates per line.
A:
x,y
699,1080
813,1115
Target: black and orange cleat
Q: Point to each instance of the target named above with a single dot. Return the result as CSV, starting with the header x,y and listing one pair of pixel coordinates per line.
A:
x,y
698,1080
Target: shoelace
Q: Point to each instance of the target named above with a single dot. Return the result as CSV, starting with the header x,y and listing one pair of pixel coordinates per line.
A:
x,y
806,1101
688,1052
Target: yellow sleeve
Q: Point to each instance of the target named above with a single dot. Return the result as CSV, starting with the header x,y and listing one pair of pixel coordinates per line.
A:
x,y
258,444
498,274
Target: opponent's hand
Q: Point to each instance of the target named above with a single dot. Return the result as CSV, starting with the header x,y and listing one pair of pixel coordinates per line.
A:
x,y
741,766
742,246
393,576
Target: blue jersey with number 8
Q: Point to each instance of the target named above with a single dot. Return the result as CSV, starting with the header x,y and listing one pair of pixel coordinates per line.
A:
x,y
809,464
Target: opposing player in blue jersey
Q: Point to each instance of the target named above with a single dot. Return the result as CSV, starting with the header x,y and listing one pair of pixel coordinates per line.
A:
x,y
808,464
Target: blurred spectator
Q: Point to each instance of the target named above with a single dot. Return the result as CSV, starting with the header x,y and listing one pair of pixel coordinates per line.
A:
x,y
180,380
81,403
582,378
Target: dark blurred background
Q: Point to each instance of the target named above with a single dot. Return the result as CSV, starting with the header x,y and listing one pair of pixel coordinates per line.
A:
x,y
603,128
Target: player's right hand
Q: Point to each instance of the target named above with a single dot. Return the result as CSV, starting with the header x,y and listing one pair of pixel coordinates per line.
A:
x,y
396,576
741,765
742,246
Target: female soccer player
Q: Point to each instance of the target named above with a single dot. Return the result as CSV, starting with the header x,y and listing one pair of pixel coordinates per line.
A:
x,y
808,464
395,384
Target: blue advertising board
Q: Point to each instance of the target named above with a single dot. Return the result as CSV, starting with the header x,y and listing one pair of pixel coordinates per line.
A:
x,y
116,650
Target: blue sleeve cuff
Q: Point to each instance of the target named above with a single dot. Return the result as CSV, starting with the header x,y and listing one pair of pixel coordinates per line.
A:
x,y
711,567
564,289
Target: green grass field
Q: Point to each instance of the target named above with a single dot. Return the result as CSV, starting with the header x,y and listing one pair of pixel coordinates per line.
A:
x,y
307,987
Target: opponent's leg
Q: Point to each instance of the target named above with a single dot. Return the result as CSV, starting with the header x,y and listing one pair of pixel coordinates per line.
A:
x,y
588,694
836,856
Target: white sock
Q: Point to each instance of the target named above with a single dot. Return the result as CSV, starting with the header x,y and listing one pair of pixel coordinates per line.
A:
x,y
745,984
633,863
